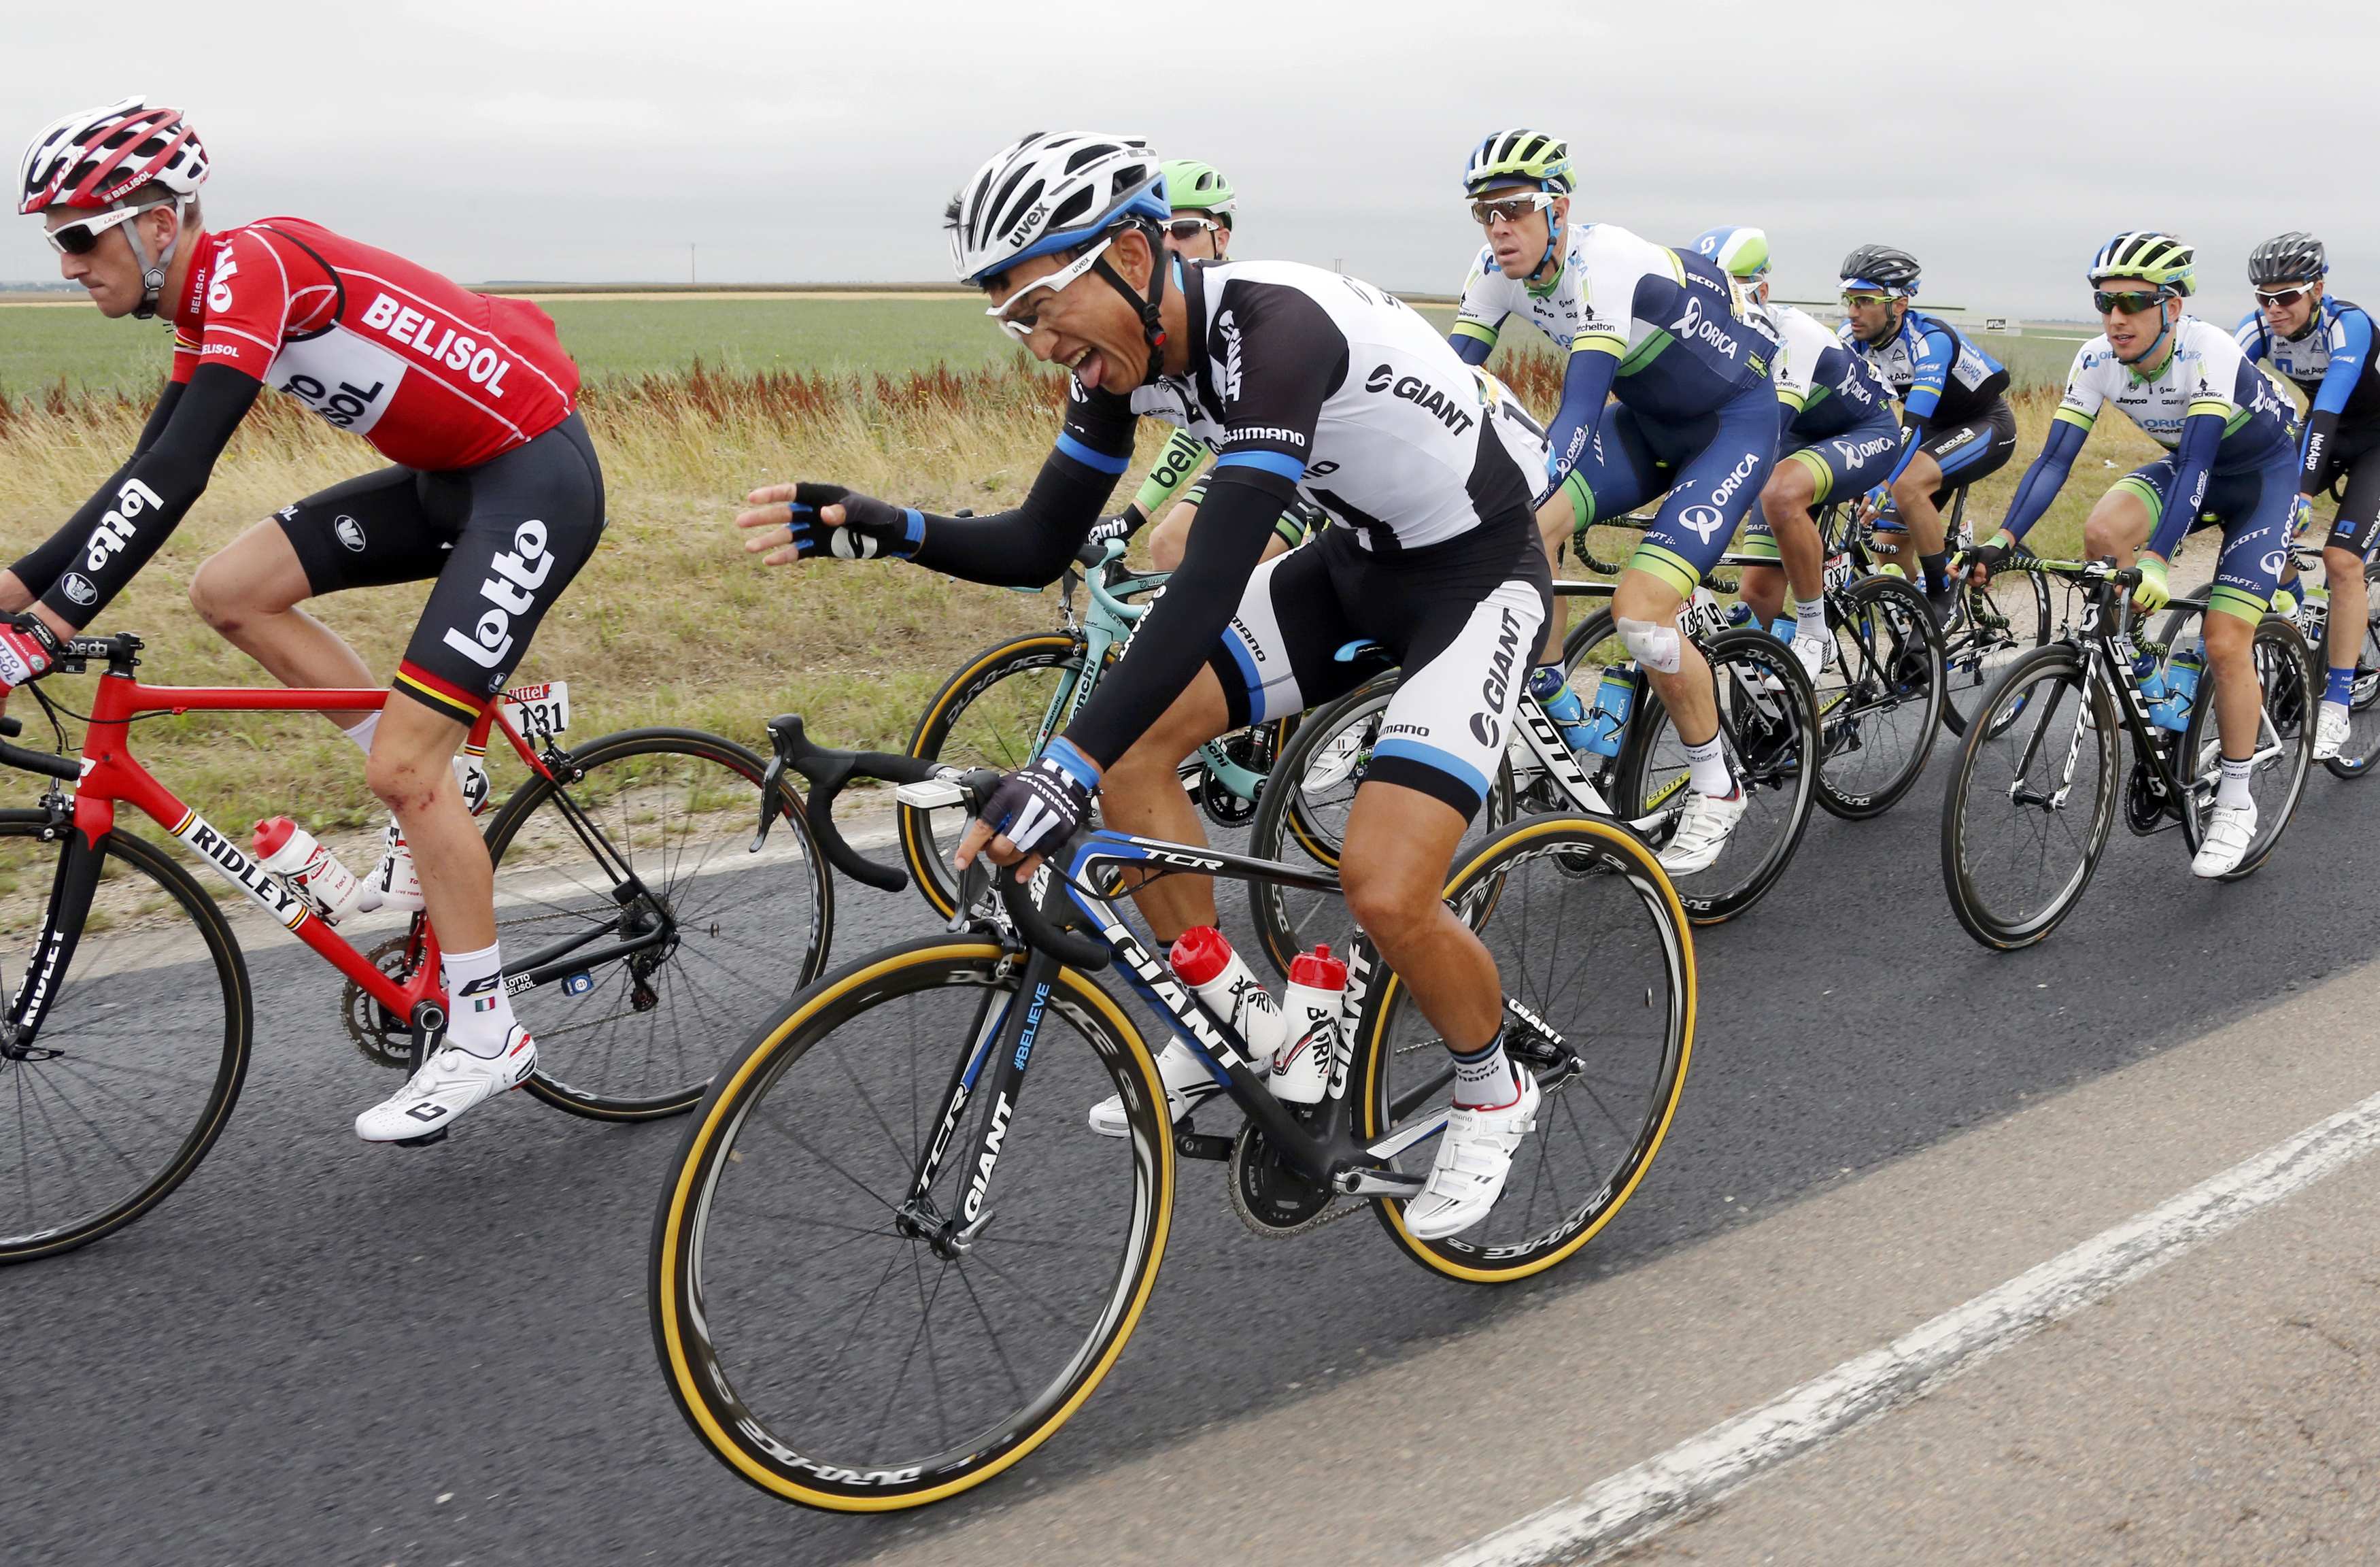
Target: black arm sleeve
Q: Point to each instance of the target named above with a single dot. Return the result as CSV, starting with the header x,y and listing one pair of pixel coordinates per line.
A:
x,y
1171,644
1029,546
149,495
42,566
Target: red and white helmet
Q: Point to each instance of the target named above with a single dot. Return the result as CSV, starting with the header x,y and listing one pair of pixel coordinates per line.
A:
x,y
92,158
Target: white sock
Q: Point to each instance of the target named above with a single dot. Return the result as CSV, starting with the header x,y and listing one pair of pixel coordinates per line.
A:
x,y
1485,1080
362,732
2233,790
1710,773
478,1010
1810,619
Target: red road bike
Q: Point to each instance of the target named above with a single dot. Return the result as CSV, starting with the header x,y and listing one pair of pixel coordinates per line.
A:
x,y
641,939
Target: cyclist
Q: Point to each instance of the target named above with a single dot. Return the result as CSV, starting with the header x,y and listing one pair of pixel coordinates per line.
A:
x,y
1200,230
2232,453
1954,407
1836,436
1519,183
1301,375
495,494
2324,347
1694,418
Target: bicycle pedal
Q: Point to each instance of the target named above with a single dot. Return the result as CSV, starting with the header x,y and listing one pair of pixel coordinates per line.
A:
x,y
424,1140
1197,1145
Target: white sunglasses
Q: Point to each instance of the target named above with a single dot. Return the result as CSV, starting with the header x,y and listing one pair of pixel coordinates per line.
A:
x,y
1020,323
79,238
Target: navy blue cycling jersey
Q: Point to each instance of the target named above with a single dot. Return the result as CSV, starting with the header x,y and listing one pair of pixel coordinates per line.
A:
x,y
2330,362
1938,374
1824,388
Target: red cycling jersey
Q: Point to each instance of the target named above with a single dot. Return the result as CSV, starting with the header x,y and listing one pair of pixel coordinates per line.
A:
x,y
436,376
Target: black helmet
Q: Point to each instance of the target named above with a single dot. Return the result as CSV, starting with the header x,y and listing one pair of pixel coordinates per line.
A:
x,y
1883,267
2294,257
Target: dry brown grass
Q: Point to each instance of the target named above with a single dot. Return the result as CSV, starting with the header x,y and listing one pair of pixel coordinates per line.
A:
x,y
670,623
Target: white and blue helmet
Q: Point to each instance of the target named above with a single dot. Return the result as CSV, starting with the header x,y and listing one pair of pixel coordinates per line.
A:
x,y
1051,191
1739,252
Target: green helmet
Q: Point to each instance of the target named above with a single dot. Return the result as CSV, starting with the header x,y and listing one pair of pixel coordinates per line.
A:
x,y
2146,254
1522,154
1191,186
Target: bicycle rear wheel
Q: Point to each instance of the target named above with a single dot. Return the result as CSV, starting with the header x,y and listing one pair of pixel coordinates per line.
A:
x,y
1764,708
639,987
141,1048
1880,696
1996,625
995,712
2285,736
819,1345
2017,844
2362,747
1598,966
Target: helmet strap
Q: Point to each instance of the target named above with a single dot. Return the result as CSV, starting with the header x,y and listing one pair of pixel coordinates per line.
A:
x,y
1152,318
2165,330
152,273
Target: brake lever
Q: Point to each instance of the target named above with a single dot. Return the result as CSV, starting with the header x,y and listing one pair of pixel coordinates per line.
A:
x,y
772,801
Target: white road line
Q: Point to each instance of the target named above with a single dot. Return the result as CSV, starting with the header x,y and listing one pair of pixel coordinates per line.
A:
x,y
1637,1503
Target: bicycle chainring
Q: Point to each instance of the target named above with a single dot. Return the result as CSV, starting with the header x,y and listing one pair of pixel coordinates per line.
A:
x,y
379,1037
1273,1198
1221,807
2143,812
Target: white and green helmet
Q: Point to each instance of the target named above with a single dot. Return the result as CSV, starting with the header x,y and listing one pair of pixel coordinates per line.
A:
x,y
1510,157
2149,255
1739,252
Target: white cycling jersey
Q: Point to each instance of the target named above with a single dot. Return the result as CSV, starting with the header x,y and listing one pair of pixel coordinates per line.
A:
x,y
1558,308
2206,372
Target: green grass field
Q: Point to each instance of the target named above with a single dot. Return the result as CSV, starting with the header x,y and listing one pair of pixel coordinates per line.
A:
x,y
43,346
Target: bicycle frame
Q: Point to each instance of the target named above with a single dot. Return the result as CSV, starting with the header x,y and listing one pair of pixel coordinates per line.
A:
x,y
112,775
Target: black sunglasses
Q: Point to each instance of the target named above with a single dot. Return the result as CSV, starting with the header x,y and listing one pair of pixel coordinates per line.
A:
x,y
2130,302
1187,229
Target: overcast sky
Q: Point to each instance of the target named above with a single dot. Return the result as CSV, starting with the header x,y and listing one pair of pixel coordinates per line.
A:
x,y
594,141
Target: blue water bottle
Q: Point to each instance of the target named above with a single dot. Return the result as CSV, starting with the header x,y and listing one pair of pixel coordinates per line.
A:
x,y
1614,694
2148,669
2181,688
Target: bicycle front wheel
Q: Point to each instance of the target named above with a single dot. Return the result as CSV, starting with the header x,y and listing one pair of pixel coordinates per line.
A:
x,y
1598,966
650,938
2028,809
142,1048
2362,747
996,712
1880,696
2284,742
1996,625
820,1340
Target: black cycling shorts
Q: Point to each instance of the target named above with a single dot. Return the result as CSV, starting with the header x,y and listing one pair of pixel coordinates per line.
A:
x,y
2354,467
502,539
1971,449
1463,616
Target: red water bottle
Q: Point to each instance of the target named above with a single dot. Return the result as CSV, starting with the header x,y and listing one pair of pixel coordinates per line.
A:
x,y
312,871
1309,1034
1203,959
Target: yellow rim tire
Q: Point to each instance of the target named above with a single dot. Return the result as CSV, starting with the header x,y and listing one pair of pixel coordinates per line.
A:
x,y
1453,1257
699,1382
1049,650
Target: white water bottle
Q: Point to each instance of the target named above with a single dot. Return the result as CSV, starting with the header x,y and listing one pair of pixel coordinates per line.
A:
x,y
311,872
1204,960
1309,1035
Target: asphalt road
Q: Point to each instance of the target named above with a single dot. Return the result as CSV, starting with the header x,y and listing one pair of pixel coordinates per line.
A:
x,y
323,1352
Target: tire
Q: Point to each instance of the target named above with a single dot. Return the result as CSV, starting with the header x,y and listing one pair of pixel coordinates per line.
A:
x,y
642,1039
968,725
765,1247
2355,758
1766,714
2028,709
127,1102
1880,696
2001,622
1301,817
2285,668
1592,892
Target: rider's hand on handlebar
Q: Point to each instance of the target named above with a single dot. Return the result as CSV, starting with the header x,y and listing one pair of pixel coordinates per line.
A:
x,y
1041,804
2152,595
29,649
794,522
1983,561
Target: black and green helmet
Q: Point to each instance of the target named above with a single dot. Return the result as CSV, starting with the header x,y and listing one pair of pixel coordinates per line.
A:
x,y
2149,255
1508,156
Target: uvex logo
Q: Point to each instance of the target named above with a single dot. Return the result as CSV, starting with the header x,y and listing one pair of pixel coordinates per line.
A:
x,y
525,566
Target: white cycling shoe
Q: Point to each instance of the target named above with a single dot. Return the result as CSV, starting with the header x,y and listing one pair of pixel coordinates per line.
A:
x,y
2331,732
1187,1082
399,884
1703,831
449,1082
1475,1155
1811,652
2230,831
